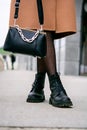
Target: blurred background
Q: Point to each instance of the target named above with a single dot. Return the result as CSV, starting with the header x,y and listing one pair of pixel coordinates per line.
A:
x,y
71,52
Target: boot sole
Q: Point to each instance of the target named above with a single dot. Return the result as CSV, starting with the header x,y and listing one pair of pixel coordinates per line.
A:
x,y
35,100
61,105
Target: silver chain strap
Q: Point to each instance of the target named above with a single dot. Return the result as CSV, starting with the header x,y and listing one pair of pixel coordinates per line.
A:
x,y
24,38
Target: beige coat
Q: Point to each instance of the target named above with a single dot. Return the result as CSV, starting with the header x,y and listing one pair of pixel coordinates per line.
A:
x,y
59,16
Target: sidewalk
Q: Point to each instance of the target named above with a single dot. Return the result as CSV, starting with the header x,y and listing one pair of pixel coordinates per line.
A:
x,y
1,64
16,114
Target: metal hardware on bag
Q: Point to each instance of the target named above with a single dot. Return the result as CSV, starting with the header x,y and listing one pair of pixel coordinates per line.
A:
x,y
24,38
20,30
40,57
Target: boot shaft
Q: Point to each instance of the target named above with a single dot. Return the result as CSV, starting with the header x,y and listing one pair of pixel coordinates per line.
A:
x,y
56,84
39,81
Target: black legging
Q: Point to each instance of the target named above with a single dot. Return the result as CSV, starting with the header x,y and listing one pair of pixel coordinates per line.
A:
x,y
48,64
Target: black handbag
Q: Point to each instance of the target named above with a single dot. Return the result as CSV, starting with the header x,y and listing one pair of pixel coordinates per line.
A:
x,y
26,41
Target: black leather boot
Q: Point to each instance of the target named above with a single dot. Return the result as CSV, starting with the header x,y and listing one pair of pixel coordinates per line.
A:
x,y
37,94
58,97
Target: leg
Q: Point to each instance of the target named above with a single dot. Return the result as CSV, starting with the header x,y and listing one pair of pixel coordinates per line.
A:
x,y
48,64
58,96
36,94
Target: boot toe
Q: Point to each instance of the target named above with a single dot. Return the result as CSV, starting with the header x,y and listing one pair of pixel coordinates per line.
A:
x,y
61,101
35,97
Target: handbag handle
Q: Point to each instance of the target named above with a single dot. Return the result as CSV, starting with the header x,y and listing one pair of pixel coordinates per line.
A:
x,y
39,8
